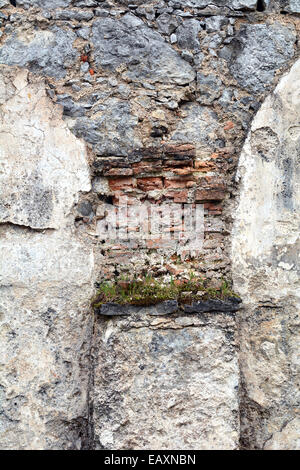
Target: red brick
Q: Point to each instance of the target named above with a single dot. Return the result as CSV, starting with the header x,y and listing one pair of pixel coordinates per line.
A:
x,y
209,195
187,149
118,184
159,243
149,184
130,200
204,166
229,125
213,208
182,171
146,167
211,182
176,183
178,163
178,195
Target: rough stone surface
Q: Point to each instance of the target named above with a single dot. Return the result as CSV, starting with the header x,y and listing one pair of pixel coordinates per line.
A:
x,y
46,276
111,132
175,374
257,52
48,4
187,34
48,52
199,125
28,180
233,4
230,306
209,87
265,256
129,41
294,6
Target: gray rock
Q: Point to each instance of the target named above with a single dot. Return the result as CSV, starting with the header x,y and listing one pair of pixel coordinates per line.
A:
x,y
147,56
192,3
4,3
177,378
165,308
113,132
85,3
294,6
209,88
148,12
212,41
226,98
73,15
232,4
71,108
49,52
257,52
215,23
84,32
230,306
166,23
199,126
84,68
187,55
111,309
266,274
85,208
187,34
242,4
45,339
31,194
47,4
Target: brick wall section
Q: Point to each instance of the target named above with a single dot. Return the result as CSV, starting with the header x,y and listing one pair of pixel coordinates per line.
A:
x,y
169,173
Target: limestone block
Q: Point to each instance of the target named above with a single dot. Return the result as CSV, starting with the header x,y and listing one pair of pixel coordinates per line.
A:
x,y
43,166
46,274
166,383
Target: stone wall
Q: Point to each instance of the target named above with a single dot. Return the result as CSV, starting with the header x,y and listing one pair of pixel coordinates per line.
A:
x,y
152,100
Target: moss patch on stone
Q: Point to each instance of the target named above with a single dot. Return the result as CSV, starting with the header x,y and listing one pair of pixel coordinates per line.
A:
x,y
151,291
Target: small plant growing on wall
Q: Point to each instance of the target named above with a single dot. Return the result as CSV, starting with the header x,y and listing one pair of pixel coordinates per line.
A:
x,y
150,291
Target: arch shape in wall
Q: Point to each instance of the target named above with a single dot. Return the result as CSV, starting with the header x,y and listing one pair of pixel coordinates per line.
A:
x,y
266,268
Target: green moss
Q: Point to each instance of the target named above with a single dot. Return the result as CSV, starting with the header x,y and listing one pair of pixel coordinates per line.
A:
x,y
151,291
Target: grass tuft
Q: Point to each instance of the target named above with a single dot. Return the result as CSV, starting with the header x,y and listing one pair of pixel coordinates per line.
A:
x,y
151,291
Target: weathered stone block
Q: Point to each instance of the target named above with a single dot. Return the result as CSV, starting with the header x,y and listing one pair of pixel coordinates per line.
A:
x,y
170,385
187,34
112,130
229,306
147,56
43,164
198,126
46,276
47,52
257,52
47,4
